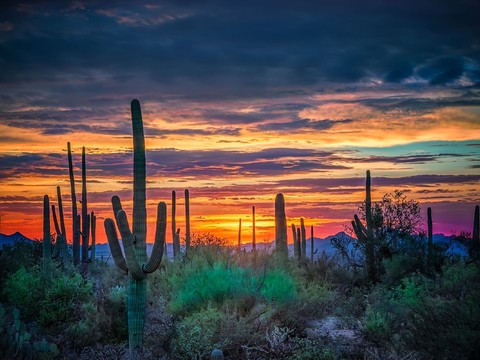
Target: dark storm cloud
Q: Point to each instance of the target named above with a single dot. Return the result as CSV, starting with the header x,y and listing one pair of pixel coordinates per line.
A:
x,y
241,49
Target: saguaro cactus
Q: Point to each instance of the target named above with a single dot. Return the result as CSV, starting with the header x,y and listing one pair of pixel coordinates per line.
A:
x,y
280,225
476,234
365,234
254,239
239,245
85,216
429,239
93,226
75,219
296,244
175,239
47,245
61,243
312,243
303,238
134,241
187,220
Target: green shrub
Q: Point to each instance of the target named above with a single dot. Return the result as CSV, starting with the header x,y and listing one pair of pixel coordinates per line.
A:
x,y
308,349
24,290
52,299
211,285
196,335
278,286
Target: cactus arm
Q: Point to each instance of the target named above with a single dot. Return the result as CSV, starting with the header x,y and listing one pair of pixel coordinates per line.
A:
x,y
56,249
159,244
476,225
115,249
129,247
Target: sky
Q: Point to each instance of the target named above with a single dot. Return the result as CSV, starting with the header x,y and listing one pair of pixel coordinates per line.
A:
x,y
242,100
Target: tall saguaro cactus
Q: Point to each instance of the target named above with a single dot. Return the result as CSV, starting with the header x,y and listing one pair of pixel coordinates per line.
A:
x,y
61,243
280,225
93,226
47,245
254,239
312,244
85,216
135,261
239,245
175,240
430,239
304,238
75,219
476,233
187,220
365,234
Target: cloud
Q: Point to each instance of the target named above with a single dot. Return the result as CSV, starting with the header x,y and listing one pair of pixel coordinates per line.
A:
x,y
301,124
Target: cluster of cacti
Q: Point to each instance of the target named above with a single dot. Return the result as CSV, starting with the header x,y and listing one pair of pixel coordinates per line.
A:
x,y
135,261
365,234
280,226
17,343
88,223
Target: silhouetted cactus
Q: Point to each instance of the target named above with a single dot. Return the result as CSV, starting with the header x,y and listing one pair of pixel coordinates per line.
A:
x,y
312,244
280,226
296,244
239,245
254,239
365,234
61,247
303,232
429,239
476,234
134,241
75,218
47,245
85,216
175,234
187,221
93,227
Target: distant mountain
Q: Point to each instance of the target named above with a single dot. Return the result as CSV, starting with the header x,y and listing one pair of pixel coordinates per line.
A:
x,y
11,239
321,245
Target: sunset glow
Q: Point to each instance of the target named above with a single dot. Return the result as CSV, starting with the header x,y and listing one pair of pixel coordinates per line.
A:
x,y
237,108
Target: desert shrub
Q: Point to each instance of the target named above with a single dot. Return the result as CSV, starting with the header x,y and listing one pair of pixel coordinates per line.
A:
x,y
196,335
199,287
309,349
279,286
24,254
51,299
63,299
24,290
